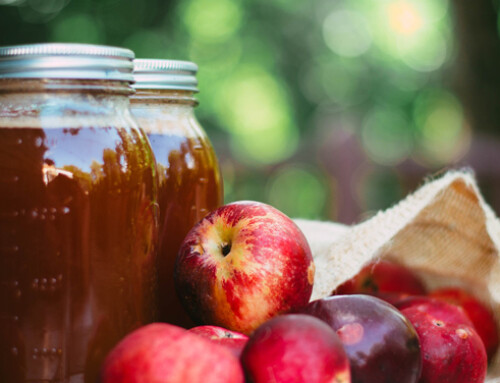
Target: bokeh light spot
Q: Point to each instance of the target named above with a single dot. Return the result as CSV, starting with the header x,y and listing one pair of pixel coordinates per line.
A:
x,y
417,32
12,2
254,107
426,51
212,20
432,10
338,79
347,33
253,101
298,191
404,17
387,136
265,146
439,119
47,6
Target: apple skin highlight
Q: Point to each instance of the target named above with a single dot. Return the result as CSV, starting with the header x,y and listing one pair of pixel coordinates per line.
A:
x,y
243,264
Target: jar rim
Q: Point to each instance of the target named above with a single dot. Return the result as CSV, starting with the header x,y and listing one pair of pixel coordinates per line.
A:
x,y
66,61
165,74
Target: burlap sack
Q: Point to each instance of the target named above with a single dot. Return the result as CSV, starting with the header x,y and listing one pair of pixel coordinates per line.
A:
x,y
444,231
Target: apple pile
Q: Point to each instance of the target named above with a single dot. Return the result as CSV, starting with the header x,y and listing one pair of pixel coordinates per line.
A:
x,y
245,273
457,333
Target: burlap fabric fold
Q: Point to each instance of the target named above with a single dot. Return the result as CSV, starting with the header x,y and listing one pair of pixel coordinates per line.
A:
x,y
444,231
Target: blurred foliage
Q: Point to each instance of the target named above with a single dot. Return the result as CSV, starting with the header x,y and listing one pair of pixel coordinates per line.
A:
x,y
278,77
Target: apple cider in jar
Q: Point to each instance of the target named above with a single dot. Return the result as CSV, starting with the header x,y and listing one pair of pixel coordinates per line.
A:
x,y
77,212
190,184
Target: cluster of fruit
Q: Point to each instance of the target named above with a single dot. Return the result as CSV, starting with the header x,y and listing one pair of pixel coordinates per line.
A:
x,y
246,272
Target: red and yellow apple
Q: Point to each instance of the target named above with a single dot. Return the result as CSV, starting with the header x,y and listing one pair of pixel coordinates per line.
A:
x,y
295,348
164,353
232,340
243,264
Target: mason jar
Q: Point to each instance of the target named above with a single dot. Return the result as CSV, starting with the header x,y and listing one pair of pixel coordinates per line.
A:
x,y
190,183
78,217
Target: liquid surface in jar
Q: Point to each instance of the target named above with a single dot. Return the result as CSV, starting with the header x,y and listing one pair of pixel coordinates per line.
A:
x,y
189,188
76,249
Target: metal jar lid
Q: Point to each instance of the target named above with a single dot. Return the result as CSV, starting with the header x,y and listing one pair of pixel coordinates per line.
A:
x,y
165,74
66,61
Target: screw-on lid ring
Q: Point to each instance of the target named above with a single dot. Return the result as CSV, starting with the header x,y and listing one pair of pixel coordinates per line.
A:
x,y
66,61
165,74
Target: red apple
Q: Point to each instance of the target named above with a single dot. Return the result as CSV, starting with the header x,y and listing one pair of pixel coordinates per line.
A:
x,y
383,277
479,314
164,353
380,342
440,310
233,340
295,349
450,352
243,264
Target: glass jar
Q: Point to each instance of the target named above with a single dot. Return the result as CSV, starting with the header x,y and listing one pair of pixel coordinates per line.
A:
x,y
77,212
190,184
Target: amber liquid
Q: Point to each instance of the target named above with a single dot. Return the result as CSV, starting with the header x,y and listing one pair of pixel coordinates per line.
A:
x,y
77,267
189,188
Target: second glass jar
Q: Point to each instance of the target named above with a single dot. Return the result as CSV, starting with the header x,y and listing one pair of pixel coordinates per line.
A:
x,y
190,184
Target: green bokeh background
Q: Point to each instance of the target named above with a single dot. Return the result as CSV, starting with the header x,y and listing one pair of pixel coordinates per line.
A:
x,y
324,109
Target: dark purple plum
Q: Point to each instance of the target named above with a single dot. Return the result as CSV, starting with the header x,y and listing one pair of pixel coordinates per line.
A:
x,y
381,344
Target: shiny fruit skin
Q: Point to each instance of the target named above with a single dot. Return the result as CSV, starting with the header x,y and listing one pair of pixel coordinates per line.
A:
x,y
295,348
480,315
451,353
164,353
380,342
243,264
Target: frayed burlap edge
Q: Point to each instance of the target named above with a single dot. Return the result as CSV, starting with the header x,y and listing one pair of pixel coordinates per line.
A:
x,y
444,231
